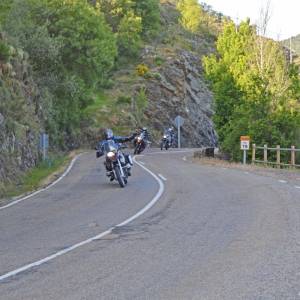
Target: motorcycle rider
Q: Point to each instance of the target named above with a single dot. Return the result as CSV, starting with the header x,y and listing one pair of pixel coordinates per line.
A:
x,y
107,136
146,135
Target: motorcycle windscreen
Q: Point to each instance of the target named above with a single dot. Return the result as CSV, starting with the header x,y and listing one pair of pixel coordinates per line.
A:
x,y
110,146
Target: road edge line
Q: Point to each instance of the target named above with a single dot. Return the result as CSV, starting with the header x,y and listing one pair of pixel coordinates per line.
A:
x,y
66,172
91,239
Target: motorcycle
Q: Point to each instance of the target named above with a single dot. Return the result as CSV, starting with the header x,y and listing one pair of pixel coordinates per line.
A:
x,y
139,143
166,141
116,162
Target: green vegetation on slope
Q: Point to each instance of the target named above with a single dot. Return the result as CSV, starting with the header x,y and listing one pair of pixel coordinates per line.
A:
x,y
36,177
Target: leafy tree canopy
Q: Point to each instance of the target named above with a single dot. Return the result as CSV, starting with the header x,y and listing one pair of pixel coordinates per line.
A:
x,y
256,91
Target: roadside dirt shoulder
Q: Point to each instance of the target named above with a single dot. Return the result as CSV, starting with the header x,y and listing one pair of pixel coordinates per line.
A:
x,y
286,174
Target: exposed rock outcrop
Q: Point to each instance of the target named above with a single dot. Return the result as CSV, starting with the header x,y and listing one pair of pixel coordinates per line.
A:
x,y
181,90
20,123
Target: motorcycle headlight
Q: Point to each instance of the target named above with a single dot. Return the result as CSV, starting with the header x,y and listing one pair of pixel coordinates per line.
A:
x,y
111,155
139,139
165,136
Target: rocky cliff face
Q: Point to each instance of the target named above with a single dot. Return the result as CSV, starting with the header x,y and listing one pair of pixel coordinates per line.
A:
x,y
19,117
180,89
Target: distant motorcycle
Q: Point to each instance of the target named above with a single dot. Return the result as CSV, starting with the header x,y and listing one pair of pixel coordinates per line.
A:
x,y
116,162
140,143
166,141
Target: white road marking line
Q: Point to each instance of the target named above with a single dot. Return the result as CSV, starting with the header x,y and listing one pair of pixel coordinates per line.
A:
x,y
171,152
246,172
97,237
297,186
282,181
47,187
141,162
162,177
184,158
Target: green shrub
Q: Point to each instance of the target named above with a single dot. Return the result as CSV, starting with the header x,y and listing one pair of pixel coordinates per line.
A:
x,y
156,76
158,60
142,99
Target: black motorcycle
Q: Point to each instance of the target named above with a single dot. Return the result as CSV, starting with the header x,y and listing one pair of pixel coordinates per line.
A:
x,y
117,164
140,143
166,141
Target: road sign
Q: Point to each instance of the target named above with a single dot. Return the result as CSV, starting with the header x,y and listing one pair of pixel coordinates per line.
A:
x,y
179,121
44,144
245,142
245,145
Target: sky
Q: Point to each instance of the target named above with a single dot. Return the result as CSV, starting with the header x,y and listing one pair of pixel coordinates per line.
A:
x,y
284,20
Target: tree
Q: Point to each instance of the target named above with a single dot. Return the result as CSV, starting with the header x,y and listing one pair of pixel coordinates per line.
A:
x,y
125,23
72,50
149,12
191,15
128,37
249,99
89,47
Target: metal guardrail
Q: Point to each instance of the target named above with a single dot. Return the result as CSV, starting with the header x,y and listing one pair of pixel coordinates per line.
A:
x,y
278,163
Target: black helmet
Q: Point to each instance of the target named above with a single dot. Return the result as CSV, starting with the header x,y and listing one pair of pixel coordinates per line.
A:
x,y
108,134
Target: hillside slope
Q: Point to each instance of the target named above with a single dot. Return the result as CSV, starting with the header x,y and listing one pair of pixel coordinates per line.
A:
x,y
166,80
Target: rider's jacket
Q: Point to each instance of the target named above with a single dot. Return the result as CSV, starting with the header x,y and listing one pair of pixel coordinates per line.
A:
x,y
116,139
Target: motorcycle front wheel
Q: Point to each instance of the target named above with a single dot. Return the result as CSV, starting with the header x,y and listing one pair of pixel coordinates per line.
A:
x,y
120,178
137,149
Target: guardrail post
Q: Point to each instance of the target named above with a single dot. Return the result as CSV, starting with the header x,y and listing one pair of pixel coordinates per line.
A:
x,y
253,152
265,154
293,160
278,156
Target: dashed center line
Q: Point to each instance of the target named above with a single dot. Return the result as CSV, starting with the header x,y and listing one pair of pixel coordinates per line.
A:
x,y
297,187
282,181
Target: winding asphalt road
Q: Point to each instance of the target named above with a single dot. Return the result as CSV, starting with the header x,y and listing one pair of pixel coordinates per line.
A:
x,y
214,233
